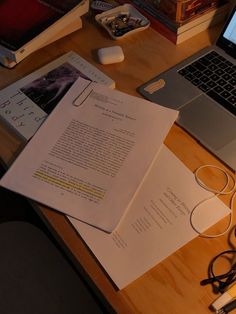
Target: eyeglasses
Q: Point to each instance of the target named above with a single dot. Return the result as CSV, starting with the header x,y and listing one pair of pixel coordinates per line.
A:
x,y
220,281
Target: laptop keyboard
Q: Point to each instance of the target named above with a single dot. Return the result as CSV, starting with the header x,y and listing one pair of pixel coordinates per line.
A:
x,y
215,76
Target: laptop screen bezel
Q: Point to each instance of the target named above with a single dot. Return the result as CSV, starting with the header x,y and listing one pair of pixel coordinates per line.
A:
x,y
225,44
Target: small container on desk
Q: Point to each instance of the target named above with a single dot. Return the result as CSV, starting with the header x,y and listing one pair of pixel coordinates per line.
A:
x,y
122,21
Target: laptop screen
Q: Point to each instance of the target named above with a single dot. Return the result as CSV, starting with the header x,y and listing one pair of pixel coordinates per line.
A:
x,y
230,32
227,39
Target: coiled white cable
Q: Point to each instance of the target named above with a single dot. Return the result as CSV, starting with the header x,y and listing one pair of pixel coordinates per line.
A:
x,y
226,190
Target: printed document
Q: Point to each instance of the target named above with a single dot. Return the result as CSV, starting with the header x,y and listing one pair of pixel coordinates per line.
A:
x,y
91,155
157,223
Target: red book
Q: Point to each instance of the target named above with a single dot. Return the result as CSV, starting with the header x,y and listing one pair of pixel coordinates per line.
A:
x,y
22,20
27,25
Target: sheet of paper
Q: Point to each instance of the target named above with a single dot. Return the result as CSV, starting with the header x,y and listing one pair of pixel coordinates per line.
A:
x,y
89,158
156,225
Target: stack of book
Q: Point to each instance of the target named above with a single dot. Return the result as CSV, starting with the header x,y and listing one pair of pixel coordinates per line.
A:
x,y
28,25
179,32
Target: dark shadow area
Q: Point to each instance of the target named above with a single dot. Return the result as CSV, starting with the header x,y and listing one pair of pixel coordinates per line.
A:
x,y
15,208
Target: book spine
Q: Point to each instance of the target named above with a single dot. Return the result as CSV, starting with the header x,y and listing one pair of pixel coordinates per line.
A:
x,y
199,28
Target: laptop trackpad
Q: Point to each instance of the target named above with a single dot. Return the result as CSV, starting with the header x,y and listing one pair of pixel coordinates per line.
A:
x,y
208,122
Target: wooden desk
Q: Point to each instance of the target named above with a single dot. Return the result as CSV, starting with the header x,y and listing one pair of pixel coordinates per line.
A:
x,y
173,286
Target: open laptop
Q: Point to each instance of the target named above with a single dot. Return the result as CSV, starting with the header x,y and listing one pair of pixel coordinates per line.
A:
x,y
203,89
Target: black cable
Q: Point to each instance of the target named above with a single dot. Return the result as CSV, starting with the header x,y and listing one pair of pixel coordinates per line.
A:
x,y
222,281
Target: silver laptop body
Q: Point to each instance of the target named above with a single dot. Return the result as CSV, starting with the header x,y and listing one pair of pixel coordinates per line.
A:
x,y
213,124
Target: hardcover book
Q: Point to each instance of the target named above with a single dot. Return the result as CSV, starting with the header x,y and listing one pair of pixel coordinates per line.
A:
x,y
22,30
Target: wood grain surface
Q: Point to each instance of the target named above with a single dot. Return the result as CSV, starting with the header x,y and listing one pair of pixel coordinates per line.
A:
x,y
173,286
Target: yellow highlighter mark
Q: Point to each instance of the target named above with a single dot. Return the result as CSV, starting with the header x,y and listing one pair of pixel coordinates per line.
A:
x,y
71,186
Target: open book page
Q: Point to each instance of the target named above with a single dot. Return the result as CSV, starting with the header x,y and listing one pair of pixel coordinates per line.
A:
x,y
157,223
91,154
